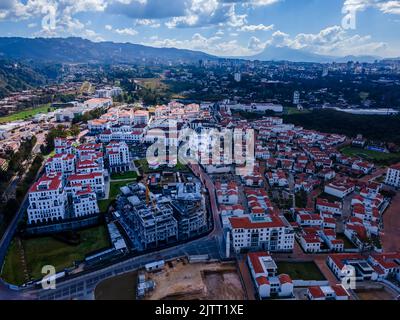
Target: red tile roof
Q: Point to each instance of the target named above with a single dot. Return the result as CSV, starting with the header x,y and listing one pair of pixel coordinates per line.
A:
x,y
316,292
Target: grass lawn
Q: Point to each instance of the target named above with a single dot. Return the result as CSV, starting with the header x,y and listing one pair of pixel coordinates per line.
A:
x,y
370,155
294,110
49,251
153,84
124,175
25,114
115,187
301,270
13,270
104,204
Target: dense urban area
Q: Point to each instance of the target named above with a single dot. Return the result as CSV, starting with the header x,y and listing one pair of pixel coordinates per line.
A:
x,y
318,197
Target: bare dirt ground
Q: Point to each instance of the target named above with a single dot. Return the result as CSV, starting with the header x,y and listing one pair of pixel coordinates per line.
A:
x,y
376,294
369,290
201,281
391,221
117,288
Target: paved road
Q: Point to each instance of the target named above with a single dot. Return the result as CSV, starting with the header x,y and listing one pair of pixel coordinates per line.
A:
x,y
203,176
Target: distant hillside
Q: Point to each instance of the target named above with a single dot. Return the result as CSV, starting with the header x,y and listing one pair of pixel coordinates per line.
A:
x,y
273,53
17,76
78,50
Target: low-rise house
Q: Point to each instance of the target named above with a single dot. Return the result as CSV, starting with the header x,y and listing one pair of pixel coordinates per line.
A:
x,y
265,277
339,189
324,205
320,293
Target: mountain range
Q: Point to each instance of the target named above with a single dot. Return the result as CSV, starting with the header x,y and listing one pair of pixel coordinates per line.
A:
x,y
78,50
273,53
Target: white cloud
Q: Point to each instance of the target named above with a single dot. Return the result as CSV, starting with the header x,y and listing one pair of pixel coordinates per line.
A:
x,y
126,31
213,45
152,23
329,41
255,45
256,27
385,6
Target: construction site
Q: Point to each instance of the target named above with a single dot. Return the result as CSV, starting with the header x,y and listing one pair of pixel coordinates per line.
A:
x,y
181,280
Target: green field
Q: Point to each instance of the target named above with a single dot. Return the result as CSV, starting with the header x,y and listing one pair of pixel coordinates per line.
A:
x,y
49,251
13,270
294,110
301,270
104,204
124,175
115,187
371,155
25,114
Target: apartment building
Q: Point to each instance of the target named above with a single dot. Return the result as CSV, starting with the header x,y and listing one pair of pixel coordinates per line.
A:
x,y
227,193
155,224
47,199
118,156
268,232
63,163
141,117
84,202
95,180
62,145
393,176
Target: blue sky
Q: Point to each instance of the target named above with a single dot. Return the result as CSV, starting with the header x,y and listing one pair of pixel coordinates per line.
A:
x,y
221,27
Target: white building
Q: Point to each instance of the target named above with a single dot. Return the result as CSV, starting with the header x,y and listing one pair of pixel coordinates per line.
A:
x,y
227,193
141,117
237,76
61,163
98,103
256,107
118,156
62,145
268,233
265,276
84,202
296,98
393,176
339,189
335,292
95,180
47,200
324,205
